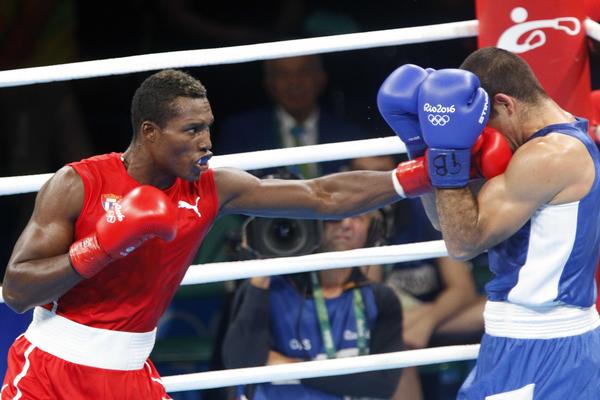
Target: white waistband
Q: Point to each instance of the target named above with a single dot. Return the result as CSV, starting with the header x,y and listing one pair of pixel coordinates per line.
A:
x,y
84,345
520,322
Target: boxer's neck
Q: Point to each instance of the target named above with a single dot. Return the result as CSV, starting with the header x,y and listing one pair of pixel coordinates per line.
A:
x,y
141,167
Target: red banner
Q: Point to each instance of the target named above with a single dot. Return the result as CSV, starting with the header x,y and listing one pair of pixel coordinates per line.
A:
x,y
592,9
550,36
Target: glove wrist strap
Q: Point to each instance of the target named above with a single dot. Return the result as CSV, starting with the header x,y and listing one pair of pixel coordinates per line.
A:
x,y
87,256
449,168
412,178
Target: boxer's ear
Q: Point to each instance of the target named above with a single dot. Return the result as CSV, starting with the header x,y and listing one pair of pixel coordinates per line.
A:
x,y
503,101
149,131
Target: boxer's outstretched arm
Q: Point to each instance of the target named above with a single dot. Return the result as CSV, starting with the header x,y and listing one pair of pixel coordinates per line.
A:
x,y
332,196
556,169
39,270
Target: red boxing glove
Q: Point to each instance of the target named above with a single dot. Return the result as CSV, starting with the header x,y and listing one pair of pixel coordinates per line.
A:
x,y
490,156
145,212
411,178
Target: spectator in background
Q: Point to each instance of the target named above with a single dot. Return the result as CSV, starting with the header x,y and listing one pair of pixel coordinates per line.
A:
x,y
279,320
432,292
295,117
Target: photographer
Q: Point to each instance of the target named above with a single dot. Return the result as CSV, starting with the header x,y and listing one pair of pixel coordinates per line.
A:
x,y
283,319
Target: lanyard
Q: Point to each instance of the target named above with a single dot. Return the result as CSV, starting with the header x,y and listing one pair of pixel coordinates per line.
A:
x,y
323,317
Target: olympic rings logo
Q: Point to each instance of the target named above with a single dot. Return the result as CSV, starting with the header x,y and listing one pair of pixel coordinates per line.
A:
x,y
438,120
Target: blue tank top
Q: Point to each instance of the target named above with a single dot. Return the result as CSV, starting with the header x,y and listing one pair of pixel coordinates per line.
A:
x,y
296,333
551,260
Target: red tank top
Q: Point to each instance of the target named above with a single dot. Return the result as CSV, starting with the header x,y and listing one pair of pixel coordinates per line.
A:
x,y
132,293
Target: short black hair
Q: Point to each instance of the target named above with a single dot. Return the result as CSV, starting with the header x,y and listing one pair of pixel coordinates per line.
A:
x,y
501,71
154,99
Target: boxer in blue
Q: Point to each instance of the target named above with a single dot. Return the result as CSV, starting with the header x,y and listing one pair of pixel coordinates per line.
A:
x,y
539,221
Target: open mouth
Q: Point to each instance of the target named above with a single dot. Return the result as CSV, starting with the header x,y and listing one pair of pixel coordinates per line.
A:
x,y
202,164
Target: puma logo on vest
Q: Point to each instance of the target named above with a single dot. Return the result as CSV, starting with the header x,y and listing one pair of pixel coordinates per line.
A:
x,y
184,204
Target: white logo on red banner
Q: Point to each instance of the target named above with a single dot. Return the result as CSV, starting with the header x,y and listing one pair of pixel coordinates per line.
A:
x,y
528,35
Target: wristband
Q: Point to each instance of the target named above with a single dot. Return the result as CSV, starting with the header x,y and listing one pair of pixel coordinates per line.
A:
x,y
449,168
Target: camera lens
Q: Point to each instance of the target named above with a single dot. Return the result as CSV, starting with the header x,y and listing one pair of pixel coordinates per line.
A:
x,y
282,237
285,236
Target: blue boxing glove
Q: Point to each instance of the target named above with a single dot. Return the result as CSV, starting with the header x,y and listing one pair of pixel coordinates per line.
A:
x,y
397,101
453,110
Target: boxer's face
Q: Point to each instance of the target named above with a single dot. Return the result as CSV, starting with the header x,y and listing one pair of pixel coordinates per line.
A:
x,y
182,147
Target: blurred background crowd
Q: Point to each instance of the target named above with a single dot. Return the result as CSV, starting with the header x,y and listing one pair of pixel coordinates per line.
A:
x,y
257,105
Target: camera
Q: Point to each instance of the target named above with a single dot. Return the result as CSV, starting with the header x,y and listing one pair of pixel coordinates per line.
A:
x,y
281,237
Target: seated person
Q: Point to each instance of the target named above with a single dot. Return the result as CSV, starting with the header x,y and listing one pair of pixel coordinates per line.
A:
x,y
283,319
295,117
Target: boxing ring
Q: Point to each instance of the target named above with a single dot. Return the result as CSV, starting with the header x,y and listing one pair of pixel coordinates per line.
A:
x,y
216,272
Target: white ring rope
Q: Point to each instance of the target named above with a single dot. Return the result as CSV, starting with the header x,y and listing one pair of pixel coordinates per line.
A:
x,y
592,28
239,54
311,369
225,271
253,160
23,183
